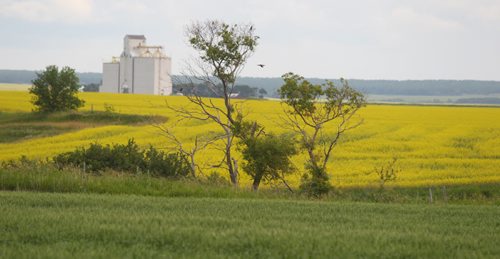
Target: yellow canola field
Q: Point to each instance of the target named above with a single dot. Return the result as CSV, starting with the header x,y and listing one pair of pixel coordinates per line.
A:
x,y
434,145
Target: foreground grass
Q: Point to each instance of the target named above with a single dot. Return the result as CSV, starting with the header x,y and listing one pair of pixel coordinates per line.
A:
x,y
125,226
46,178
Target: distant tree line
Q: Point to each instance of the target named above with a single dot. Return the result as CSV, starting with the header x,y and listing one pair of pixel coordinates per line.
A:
x,y
92,87
271,85
201,89
26,76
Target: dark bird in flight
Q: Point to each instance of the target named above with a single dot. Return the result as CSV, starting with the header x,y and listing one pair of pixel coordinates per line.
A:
x,y
261,65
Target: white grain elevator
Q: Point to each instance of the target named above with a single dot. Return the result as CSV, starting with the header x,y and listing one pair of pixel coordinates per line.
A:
x,y
140,69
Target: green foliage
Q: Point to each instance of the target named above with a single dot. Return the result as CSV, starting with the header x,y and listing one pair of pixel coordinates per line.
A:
x,y
245,91
267,157
215,179
316,183
167,165
226,47
319,103
301,95
55,90
92,87
127,158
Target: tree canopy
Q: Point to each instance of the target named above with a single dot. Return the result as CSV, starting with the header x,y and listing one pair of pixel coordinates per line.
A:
x,y
55,90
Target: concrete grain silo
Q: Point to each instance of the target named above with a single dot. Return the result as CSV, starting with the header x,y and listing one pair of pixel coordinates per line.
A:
x,y
140,69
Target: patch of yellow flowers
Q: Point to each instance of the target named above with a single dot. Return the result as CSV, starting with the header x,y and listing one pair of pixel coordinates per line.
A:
x,y
434,145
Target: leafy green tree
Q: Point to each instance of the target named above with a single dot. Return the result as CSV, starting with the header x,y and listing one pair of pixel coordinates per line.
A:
x,y
262,92
223,50
245,91
55,90
312,109
266,156
92,87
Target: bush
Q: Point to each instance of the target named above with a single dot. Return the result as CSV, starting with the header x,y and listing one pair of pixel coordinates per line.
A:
x,y
216,179
167,165
316,185
127,158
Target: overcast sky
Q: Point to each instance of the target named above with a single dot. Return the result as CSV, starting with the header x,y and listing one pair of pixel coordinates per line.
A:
x,y
370,39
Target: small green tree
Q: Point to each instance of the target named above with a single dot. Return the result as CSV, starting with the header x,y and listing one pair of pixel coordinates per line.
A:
x,y
55,90
266,156
312,109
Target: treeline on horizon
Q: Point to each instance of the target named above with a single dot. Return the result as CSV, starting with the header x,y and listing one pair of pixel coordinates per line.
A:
x,y
373,87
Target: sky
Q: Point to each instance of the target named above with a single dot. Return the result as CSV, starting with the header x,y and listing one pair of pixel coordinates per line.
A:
x,y
362,39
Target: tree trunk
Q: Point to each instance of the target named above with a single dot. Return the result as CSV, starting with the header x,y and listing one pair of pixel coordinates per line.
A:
x,y
193,165
229,163
256,182
235,172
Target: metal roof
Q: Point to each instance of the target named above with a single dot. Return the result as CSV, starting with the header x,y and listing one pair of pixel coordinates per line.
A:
x,y
135,37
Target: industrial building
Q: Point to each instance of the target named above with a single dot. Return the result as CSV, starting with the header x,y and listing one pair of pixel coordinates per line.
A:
x,y
140,69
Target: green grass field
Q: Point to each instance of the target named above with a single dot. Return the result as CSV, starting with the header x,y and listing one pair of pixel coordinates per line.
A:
x,y
41,225
22,126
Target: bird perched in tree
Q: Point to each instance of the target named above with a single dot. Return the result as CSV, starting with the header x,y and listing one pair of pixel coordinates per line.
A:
x,y
261,65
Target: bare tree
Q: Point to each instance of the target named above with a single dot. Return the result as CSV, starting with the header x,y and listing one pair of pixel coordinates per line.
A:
x,y
223,50
312,109
200,143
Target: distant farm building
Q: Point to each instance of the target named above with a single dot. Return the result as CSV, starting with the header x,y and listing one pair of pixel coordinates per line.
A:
x,y
141,69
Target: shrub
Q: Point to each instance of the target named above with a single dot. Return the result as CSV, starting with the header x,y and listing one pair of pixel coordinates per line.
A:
x,y
316,185
127,158
168,165
216,179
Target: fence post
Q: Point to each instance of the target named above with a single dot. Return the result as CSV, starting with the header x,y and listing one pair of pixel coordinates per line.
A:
x,y
430,195
84,167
